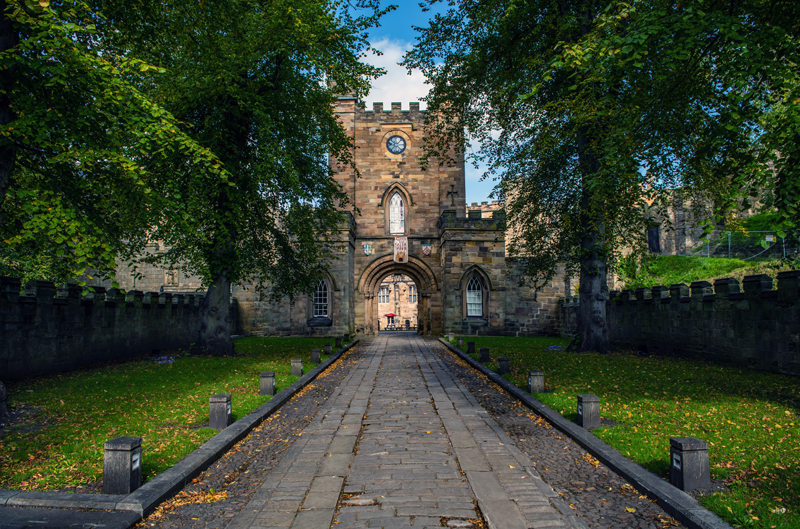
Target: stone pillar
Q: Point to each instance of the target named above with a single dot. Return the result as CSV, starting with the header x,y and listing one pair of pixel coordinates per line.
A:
x,y
338,342
328,349
484,358
268,383
315,356
297,367
535,381
460,342
470,348
689,468
503,364
122,465
588,411
220,411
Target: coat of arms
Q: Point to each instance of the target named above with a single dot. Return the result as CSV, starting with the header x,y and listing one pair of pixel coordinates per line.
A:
x,y
367,249
426,249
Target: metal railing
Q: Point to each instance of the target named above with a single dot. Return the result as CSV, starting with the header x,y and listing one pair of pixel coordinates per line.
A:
x,y
745,245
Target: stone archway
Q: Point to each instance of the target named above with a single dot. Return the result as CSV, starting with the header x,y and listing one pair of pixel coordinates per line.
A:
x,y
369,283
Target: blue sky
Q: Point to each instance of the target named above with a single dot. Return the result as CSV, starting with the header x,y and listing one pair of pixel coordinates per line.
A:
x,y
394,37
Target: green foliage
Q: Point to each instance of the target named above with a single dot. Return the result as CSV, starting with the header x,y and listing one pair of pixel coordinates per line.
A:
x,y
68,417
255,84
82,140
653,399
571,101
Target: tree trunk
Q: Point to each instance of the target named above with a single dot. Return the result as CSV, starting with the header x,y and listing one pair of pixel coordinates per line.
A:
x,y
216,324
592,329
9,37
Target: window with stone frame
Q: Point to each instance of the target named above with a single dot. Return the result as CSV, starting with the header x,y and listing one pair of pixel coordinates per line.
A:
x,y
321,300
412,293
383,295
397,217
474,298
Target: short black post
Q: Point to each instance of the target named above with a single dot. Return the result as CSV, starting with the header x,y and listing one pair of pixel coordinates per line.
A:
x,y
122,465
338,342
328,348
470,348
297,367
484,355
315,356
460,342
535,381
220,411
588,411
688,469
268,383
503,365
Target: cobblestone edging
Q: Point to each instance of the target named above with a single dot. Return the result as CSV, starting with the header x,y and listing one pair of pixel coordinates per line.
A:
x,y
675,502
145,499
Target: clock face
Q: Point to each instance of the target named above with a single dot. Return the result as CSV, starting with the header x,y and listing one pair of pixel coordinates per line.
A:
x,y
396,144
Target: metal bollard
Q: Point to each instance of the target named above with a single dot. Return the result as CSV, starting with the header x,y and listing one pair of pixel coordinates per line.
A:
x,y
220,411
484,355
535,381
503,364
460,342
689,467
588,411
268,383
470,348
297,367
315,356
122,465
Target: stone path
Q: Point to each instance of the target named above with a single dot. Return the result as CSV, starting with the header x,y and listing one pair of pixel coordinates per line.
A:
x,y
402,443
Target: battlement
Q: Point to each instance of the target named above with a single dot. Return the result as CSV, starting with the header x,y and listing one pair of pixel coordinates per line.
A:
x,y
475,220
49,329
757,327
394,109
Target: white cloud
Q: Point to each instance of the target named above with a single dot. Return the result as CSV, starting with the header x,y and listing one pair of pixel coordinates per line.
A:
x,y
397,85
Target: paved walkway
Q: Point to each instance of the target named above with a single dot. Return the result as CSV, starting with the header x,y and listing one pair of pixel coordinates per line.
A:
x,y
402,443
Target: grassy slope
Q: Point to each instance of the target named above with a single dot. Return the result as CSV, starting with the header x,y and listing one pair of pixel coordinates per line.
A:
x,y
749,418
667,270
166,404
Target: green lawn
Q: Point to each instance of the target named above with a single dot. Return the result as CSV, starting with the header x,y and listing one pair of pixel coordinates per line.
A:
x,y
670,269
749,418
164,403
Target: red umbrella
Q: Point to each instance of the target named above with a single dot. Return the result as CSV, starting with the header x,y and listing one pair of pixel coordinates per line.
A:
x,y
390,315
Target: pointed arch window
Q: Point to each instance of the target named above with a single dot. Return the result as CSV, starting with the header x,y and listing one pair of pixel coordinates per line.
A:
x,y
474,298
321,300
397,216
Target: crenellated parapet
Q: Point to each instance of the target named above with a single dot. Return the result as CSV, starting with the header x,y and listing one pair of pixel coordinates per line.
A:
x,y
750,324
48,329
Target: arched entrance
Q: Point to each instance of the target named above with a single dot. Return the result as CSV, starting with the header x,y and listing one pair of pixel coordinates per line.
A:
x,y
398,303
367,295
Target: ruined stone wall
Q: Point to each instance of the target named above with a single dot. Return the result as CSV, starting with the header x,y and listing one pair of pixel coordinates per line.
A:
x,y
48,330
757,328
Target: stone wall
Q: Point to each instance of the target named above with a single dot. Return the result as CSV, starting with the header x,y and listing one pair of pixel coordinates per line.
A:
x,y
758,328
48,330
474,246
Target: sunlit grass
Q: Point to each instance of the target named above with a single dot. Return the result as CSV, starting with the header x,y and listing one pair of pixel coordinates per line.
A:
x,y
749,418
164,403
